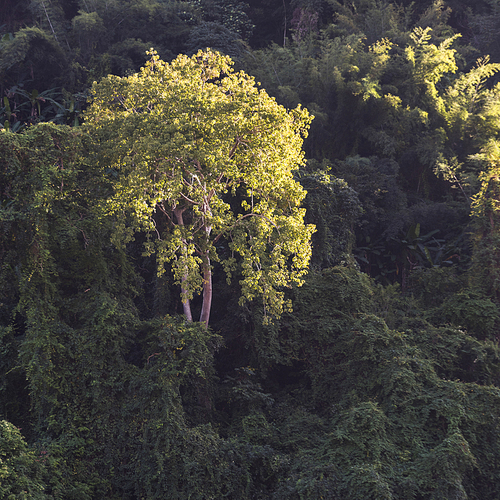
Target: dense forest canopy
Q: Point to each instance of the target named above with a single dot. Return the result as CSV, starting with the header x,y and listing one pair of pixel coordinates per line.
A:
x,y
316,181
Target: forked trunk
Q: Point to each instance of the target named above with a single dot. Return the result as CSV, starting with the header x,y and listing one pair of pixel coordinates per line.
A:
x,y
207,279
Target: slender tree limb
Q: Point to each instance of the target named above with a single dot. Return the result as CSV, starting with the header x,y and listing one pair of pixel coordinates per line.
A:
x,y
189,199
48,19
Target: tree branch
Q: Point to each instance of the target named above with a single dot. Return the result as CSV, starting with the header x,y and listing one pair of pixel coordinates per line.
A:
x,y
233,149
189,199
244,217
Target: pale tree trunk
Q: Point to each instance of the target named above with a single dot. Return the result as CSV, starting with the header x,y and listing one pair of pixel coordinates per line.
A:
x,y
207,290
186,303
204,397
207,271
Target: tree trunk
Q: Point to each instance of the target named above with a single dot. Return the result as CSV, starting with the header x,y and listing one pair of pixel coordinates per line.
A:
x,y
207,290
207,271
186,303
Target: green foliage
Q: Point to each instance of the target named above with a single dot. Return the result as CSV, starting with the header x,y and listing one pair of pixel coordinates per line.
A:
x,y
334,207
484,272
20,466
432,286
334,293
483,24
88,401
397,419
31,55
22,108
477,314
383,201
217,37
49,16
333,77
403,102
103,23
394,117
369,412
232,14
127,56
362,390
430,63
89,30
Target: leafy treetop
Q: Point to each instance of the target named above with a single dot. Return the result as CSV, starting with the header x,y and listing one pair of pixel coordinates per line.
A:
x,y
203,159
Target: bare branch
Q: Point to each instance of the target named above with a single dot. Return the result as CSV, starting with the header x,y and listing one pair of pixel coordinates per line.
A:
x,y
162,209
233,150
156,229
189,199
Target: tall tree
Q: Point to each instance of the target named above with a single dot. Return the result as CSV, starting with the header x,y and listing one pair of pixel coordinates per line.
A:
x,y
203,160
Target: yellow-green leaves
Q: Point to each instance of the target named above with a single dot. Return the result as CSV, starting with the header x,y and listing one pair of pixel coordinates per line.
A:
x,y
431,62
202,158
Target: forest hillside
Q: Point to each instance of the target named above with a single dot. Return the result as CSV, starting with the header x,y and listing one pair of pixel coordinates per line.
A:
x,y
249,250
